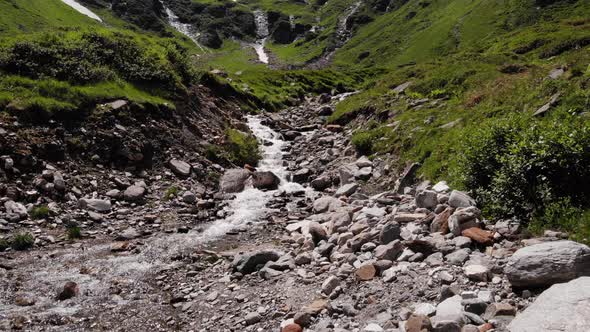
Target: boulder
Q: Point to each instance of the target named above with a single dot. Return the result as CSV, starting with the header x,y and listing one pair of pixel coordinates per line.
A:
x,y
366,272
562,307
460,199
389,251
321,183
330,284
248,263
16,208
134,193
69,290
418,323
326,204
98,205
179,167
390,232
265,180
301,175
463,218
234,180
427,199
548,263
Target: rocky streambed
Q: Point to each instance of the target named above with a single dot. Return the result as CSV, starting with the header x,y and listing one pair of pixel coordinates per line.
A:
x,y
316,238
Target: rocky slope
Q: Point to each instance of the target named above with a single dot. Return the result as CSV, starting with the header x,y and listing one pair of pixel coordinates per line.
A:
x,y
333,242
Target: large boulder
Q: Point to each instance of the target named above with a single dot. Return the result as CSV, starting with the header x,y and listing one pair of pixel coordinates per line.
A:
x,y
460,199
16,208
249,263
548,263
562,307
265,180
234,180
347,190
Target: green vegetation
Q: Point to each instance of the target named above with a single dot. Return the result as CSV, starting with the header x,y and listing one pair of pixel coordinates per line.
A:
x,y
73,232
242,148
40,212
4,244
171,193
562,215
22,241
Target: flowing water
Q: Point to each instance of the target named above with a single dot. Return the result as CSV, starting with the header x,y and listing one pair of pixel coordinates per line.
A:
x,y
184,28
81,9
261,20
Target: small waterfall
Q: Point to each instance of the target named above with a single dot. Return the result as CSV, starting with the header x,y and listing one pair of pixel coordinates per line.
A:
x,y
261,20
81,9
184,28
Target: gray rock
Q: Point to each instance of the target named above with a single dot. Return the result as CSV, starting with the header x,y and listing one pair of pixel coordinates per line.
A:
x,y
248,263
189,197
18,209
180,167
330,284
252,318
234,180
441,187
134,193
427,199
548,263
301,175
98,205
458,257
389,251
321,183
390,232
425,309
447,323
265,180
460,199
562,307
346,173
477,272
364,173
326,204
462,219
347,190
450,307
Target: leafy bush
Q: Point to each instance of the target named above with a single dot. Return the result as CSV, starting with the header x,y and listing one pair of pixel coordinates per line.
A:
x,y
74,232
561,215
518,167
96,56
40,212
4,244
363,142
242,148
22,241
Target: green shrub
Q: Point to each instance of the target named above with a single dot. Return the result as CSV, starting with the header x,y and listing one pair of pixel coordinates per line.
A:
x,y
171,193
563,216
74,232
518,166
4,244
40,212
242,148
363,142
22,241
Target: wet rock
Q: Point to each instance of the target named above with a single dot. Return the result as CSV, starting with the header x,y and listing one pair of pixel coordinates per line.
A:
x,y
179,167
265,180
301,175
548,263
248,263
325,111
460,199
234,180
134,193
23,300
70,289
563,307
98,205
